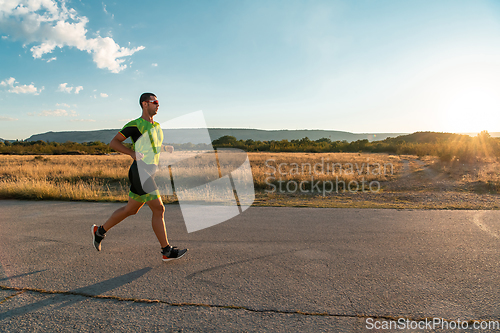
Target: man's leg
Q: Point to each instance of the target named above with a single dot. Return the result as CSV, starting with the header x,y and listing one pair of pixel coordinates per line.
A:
x,y
158,221
98,233
120,214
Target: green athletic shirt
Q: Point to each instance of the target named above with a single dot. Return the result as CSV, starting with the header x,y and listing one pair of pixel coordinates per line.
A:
x,y
146,137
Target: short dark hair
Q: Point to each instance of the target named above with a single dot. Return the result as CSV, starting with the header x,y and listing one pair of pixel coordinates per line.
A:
x,y
145,97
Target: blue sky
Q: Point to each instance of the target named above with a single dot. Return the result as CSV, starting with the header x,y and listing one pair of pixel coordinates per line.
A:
x,y
357,66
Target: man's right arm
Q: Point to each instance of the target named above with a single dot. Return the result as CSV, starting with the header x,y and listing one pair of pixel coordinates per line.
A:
x,y
117,144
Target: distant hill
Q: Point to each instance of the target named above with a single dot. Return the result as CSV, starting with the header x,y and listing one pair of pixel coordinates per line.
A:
x,y
426,137
75,136
196,135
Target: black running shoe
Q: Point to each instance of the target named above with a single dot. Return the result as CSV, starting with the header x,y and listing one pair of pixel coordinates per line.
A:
x,y
97,237
171,253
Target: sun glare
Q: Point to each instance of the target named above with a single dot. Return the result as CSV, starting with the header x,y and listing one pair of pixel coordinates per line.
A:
x,y
472,110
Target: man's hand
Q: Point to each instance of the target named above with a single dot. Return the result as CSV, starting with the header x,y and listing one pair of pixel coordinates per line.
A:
x,y
168,149
138,156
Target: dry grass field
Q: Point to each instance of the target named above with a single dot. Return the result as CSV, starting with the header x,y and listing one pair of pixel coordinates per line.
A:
x,y
64,177
297,179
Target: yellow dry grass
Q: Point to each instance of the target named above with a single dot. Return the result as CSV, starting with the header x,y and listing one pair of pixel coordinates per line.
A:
x,y
64,177
105,177
345,167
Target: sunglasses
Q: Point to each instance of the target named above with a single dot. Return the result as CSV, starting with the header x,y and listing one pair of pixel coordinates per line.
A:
x,y
154,101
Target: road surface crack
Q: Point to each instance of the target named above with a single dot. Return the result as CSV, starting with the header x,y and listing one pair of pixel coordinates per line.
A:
x,y
12,296
219,306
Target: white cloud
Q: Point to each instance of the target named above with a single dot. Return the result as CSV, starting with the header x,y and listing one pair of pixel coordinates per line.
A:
x,y
63,105
103,95
7,119
154,64
5,37
83,120
64,88
54,113
52,59
49,25
8,82
24,89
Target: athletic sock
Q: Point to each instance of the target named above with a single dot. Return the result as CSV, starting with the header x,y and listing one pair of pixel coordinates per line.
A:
x,y
101,231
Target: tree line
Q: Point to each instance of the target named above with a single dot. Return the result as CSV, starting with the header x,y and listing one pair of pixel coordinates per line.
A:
x,y
447,146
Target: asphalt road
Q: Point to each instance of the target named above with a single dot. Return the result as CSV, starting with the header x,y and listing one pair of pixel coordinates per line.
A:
x,y
268,269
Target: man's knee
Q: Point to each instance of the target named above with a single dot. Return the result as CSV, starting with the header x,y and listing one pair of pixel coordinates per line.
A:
x,y
157,209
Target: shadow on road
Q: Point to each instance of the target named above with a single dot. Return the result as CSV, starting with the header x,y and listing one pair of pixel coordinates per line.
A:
x,y
92,290
21,275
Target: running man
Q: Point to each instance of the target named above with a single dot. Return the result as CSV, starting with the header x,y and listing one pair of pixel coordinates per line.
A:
x,y
147,138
